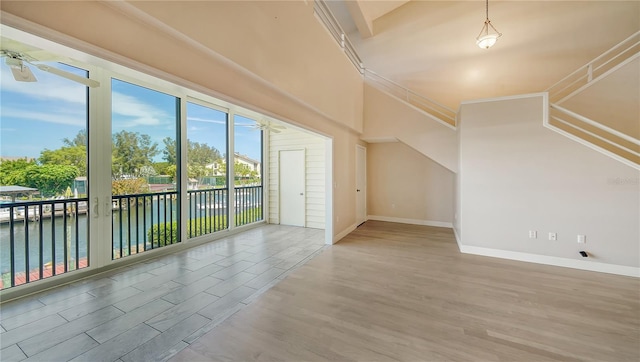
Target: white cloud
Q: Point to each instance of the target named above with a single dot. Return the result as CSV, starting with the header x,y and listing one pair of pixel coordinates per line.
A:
x,y
134,112
68,117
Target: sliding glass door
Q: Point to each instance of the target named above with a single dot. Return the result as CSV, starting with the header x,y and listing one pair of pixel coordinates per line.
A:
x,y
145,155
208,191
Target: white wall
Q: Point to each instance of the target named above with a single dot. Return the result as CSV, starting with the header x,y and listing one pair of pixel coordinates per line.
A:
x,y
515,176
314,146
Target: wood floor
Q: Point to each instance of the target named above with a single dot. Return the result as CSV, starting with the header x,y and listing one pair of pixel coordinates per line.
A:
x,y
150,311
393,292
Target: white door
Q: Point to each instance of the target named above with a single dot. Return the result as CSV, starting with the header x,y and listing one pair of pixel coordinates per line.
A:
x,y
361,184
292,188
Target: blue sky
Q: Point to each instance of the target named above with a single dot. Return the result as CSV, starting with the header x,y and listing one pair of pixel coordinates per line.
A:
x,y
35,116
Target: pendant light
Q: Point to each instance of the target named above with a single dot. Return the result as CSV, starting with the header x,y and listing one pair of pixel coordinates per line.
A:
x,y
485,39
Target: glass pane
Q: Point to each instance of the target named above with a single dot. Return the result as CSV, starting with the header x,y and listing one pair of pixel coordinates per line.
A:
x,y
144,169
43,174
206,152
247,167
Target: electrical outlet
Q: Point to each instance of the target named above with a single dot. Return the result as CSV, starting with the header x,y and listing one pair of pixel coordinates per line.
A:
x,y
533,234
553,236
582,239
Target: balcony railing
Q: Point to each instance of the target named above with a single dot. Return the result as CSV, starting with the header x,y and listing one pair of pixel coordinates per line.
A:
x,y
41,239
144,221
248,204
207,211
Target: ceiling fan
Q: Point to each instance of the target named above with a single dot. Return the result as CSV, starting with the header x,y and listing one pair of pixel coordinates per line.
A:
x,y
265,125
19,63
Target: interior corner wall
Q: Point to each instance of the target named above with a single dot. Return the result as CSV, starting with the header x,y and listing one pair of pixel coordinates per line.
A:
x,y
316,88
406,186
314,147
515,176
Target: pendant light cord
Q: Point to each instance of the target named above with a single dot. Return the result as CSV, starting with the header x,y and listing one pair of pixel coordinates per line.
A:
x,y
487,9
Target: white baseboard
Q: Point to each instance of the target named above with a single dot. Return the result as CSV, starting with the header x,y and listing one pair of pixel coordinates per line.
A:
x,y
344,233
455,233
441,224
551,260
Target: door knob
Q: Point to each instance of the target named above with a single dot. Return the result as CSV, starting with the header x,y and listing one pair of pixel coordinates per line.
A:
x,y
358,190
301,194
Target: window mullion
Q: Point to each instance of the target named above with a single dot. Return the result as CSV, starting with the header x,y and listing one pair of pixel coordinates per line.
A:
x,y
100,170
231,176
183,169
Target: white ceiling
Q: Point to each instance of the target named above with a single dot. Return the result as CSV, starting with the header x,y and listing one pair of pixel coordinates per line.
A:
x,y
429,46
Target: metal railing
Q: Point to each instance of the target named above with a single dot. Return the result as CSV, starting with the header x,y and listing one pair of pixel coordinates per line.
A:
x,y
248,204
148,221
596,135
437,111
611,60
615,144
325,15
440,112
208,211
41,239
144,221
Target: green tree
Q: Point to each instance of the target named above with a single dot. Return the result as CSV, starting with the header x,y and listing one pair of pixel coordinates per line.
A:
x,y
170,153
51,180
161,168
202,154
79,140
243,173
72,155
147,171
129,187
172,170
13,172
242,170
130,152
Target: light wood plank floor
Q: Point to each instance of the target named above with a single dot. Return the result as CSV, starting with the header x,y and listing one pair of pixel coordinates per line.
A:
x,y
392,292
150,311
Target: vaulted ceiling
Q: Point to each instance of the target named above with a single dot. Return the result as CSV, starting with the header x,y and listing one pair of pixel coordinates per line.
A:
x,y
429,46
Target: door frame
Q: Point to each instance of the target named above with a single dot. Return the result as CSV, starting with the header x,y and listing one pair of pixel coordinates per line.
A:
x,y
361,167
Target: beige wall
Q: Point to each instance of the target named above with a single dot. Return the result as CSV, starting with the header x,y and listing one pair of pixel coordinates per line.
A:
x,y
314,152
405,185
388,118
515,176
315,87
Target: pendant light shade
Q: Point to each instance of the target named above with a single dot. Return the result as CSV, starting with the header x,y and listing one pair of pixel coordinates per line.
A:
x,y
487,39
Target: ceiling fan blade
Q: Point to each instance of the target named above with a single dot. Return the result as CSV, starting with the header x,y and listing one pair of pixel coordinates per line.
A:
x,y
76,78
20,71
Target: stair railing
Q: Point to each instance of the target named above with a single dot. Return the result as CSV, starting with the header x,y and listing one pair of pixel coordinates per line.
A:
x,y
607,140
440,112
435,110
608,62
325,15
